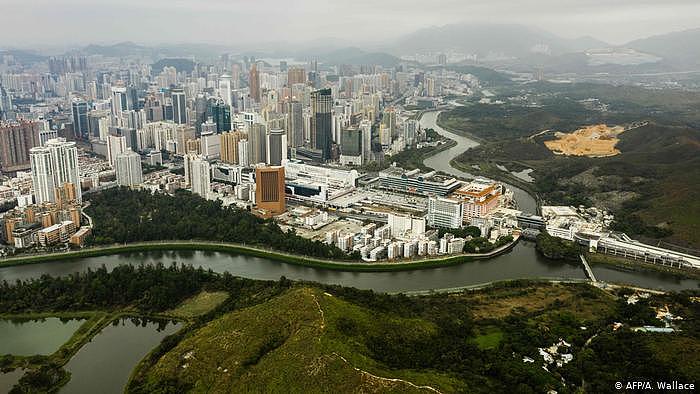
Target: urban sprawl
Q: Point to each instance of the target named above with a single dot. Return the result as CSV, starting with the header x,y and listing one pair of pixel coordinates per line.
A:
x,y
310,145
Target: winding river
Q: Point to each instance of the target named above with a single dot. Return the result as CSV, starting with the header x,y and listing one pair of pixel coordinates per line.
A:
x,y
521,262
441,161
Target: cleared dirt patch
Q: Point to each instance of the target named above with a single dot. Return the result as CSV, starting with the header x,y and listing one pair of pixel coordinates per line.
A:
x,y
591,141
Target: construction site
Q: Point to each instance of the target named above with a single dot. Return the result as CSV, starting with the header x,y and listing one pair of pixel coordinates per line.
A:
x,y
591,141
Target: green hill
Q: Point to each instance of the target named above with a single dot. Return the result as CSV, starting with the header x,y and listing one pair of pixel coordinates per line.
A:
x,y
289,344
344,340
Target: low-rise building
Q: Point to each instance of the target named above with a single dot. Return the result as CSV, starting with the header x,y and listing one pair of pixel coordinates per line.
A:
x,y
415,182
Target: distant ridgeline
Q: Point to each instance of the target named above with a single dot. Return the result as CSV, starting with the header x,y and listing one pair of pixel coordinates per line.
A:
x,y
182,65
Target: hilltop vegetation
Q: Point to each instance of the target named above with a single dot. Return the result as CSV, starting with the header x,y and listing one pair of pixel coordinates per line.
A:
x,y
649,186
345,340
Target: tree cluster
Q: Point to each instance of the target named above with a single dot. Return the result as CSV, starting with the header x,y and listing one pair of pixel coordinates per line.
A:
x,y
123,215
556,248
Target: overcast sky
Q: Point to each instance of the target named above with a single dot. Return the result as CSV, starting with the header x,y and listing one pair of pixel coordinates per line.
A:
x,y
69,22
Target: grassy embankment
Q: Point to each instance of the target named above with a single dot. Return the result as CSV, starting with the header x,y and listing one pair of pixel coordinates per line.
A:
x,y
637,265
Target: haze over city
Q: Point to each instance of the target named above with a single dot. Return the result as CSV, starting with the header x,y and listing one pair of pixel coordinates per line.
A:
x,y
246,23
369,196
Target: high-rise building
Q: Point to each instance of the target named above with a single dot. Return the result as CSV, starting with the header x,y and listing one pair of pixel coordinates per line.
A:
x,y
384,135
79,109
184,134
445,212
200,172
179,105
225,88
276,147
6,110
45,135
295,125
116,145
201,105
210,145
98,124
321,122
55,167
16,140
254,83
220,113
244,153
269,189
389,120
410,130
128,168
229,146
366,128
119,101
257,137
296,75
351,141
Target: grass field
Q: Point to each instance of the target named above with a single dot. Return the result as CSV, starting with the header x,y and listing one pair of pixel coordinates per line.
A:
x,y
199,304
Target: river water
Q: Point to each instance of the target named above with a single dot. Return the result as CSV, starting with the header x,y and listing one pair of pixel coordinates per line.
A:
x,y
521,262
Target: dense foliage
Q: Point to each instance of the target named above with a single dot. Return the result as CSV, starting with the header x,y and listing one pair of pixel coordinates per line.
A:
x,y
123,215
149,288
556,248
432,334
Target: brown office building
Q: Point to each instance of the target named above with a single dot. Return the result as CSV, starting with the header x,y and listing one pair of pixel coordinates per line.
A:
x,y
229,146
254,83
16,138
269,189
296,75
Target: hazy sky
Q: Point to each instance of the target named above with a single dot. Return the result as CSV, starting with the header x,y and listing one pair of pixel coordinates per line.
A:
x,y
68,22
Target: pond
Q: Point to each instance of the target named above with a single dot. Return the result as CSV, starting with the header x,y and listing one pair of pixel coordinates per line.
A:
x,y
36,336
105,364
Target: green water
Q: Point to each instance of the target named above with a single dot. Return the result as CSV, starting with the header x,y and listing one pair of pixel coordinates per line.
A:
x,y
104,364
40,336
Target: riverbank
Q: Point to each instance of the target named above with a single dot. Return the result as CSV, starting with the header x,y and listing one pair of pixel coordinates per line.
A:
x,y
639,266
257,252
459,132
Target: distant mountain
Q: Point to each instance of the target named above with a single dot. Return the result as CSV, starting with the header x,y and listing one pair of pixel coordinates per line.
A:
x,y
127,48
491,41
23,56
182,65
681,47
354,56
121,49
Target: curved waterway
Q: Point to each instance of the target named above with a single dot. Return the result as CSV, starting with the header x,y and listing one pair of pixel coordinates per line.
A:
x,y
521,262
441,161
